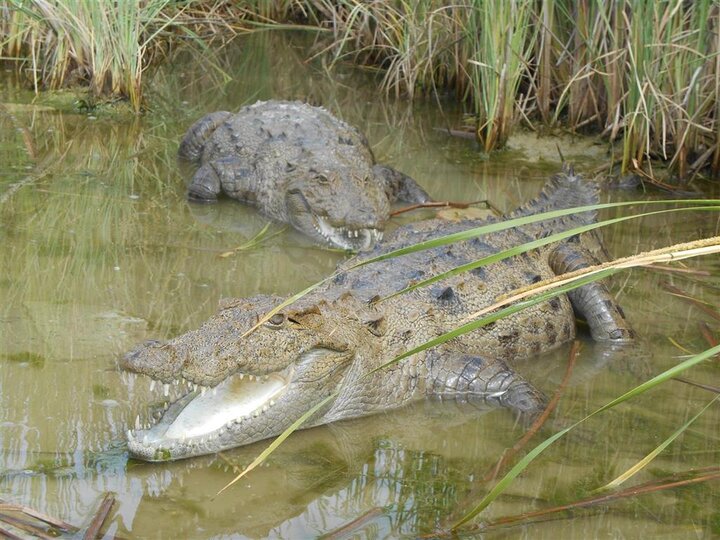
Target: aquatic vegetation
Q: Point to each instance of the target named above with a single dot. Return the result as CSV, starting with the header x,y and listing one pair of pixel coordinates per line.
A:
x,y
105,45
646,73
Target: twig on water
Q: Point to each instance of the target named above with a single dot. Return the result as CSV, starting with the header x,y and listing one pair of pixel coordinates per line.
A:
x,y
100,516
658,183
629,492
699,385
440,204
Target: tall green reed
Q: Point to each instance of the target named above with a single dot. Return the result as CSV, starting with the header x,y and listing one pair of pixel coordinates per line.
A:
x,y
105,45
645,74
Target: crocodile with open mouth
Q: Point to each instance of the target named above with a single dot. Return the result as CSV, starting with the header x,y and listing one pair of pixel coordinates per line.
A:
x,y
228,387
300,165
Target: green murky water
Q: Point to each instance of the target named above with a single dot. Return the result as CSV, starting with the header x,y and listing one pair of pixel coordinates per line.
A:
x,y
100,251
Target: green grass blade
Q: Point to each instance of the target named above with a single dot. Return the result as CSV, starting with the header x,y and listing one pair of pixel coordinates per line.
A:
x,y
523,248
517,222
530,457
501,314
478,231
647,459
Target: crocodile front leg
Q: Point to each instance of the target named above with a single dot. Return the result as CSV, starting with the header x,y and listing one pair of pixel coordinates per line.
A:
x,y
225,175
399,186
462,377
592,302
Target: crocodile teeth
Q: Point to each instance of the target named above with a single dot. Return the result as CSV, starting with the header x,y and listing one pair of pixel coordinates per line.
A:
x,y
203,389
241,376
166,389
137,422
152,385
130,435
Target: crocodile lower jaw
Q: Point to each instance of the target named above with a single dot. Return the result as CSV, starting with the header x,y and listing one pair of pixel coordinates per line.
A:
x,y
201,417
347,238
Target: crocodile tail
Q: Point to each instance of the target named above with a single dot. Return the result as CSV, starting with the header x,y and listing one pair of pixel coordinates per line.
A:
x,y
564,190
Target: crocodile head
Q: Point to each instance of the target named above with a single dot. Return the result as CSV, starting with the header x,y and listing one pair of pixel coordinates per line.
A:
x,y
225,390
343,206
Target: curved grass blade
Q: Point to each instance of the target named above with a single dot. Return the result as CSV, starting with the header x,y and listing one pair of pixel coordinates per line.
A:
x,y
535,452
523,248
279,440
652,455
517,222
472,233
565,283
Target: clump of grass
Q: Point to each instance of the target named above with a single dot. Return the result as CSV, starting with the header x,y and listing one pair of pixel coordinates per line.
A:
x,y
644,73
105,45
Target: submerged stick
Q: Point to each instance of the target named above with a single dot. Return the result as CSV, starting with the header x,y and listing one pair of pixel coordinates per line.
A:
x,y
707,334
353,525
26,526
707,387
9,535
630,492
540,420
694,301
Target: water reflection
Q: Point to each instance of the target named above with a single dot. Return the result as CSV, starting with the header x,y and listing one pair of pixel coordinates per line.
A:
x,y
100,250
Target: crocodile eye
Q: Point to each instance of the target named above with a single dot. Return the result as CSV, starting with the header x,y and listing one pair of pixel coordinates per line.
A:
x,y
322,179
277,319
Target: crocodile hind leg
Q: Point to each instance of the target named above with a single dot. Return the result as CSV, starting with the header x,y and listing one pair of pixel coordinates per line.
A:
x,y
592,302
399,186
193,143
462,377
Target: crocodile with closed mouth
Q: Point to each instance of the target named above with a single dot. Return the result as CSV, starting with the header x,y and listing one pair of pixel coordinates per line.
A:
x,y
300,165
